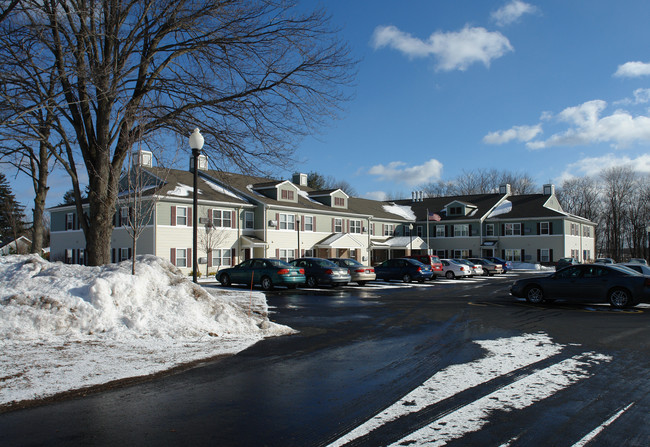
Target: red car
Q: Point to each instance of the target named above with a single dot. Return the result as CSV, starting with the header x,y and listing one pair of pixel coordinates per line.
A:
x,y
432,260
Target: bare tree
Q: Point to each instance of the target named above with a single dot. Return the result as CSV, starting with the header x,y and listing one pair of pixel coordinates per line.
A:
x,y
481,181
618,182
254,76
209,239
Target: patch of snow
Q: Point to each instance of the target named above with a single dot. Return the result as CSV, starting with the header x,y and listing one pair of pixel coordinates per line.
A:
x,y
182,190
65,327
222,190
401,210
503,208
305,194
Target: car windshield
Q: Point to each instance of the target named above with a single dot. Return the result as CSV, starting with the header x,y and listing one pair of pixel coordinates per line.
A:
x,y
324,263
351,262
279,263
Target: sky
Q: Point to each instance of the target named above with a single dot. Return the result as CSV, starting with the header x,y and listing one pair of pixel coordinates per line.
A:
x,y
553,89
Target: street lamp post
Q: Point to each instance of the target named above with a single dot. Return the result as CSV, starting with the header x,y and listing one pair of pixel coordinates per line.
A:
x,y
411,235
196,144
298,229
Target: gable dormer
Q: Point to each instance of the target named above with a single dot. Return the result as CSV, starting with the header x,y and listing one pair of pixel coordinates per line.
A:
x,y
460,209
335,198
283,191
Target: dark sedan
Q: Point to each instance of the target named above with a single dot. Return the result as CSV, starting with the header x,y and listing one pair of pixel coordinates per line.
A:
x,y
619,286
263,271
404,269
320,271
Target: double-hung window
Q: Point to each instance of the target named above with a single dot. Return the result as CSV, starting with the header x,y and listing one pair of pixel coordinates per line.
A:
x,y
222,218
513,229
69,221
181,257
181,217
249,220
544,228
489,229
124,216
388,230
544,255
338,225
287,222
440,231
221,257
287,254
461,230
355,226
309,223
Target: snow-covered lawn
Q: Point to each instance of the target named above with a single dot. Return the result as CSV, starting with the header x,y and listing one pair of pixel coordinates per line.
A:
x,y
68,327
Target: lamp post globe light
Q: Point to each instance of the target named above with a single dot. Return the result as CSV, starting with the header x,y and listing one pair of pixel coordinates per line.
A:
x,y
196,144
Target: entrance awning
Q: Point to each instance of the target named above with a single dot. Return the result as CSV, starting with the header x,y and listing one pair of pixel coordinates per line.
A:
x,y
489,244
340,240
402,242
252,241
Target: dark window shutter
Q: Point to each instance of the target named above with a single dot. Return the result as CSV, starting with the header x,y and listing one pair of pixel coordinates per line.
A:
x,y
130,253
539,252
523,255
539,228
189,257
174,224
503,253
190,222
550,228
172,256
277,253
550,255
209,258
233,221
470,254
503,229
470,229
112,255
210,215
233,255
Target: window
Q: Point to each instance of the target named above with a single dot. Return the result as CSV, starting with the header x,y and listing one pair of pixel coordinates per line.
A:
x,y
388,230
82,255
461,230
124,216
463,253
309,223
287,222
545,228
221,257
287,254
309,253
544,255
355,226
339,201
181,218
586,232
338,225
512,229
455,210
287,194
124,254
575,229
222,218
513,255
181,256
489,230
249,220
69,221
440,231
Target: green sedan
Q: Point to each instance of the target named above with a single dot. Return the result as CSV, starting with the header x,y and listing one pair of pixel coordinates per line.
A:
x,y
263,271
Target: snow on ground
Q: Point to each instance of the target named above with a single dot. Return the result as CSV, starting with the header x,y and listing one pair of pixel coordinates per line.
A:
x,y
67,327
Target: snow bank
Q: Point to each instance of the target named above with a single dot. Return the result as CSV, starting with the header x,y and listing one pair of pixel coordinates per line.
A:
x,y
65,327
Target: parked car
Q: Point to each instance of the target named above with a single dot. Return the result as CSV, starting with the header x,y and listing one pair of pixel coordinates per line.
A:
x,y
489,268
641,268
455,269
638,261
404,269
620,286
506,265
359,273
320,271
604,261
432,260
476,269
263,271
565,262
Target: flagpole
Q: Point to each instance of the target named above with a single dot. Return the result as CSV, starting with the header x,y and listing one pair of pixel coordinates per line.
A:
x,y
428,239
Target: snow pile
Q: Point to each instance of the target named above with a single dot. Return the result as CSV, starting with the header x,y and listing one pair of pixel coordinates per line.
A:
x,y
504,208
65,327
401,210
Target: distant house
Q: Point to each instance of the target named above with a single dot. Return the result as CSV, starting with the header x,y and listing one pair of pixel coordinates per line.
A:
x,y
249,216
22,245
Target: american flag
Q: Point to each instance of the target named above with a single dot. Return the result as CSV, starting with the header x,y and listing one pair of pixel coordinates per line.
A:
x,y
433,216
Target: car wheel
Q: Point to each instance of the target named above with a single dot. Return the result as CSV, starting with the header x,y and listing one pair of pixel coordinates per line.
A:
x,y
534,294
361,283
311,281
486,273
620,298
450,275
224,279
267,284
407,278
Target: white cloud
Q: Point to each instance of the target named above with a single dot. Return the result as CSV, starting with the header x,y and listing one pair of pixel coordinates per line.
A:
x,y
519,133
586,126
591,166
376,195
641,96
511,12
398,171
453,50
633,69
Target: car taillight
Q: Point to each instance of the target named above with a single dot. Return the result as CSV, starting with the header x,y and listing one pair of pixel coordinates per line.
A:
x,y
419,269
283,272
328,272
302,271
360,270
462,269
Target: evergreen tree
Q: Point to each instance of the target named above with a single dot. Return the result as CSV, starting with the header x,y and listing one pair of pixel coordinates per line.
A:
x,y
11,213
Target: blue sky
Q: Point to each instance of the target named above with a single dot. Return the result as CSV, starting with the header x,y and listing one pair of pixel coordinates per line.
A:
x,y
553,89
